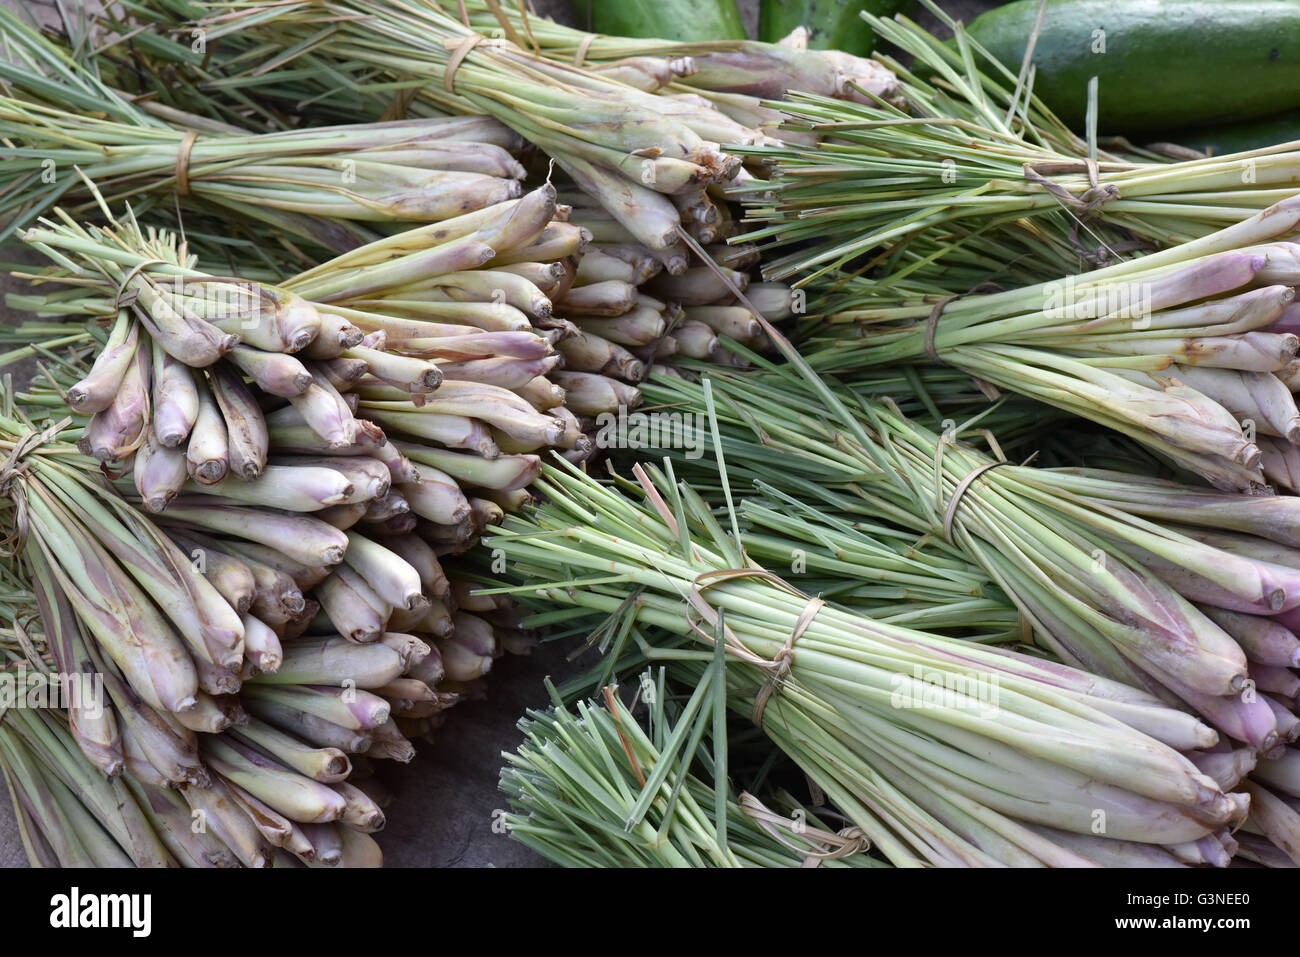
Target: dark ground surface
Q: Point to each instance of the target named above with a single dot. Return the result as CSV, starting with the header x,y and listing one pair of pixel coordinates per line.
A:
x,y
444,800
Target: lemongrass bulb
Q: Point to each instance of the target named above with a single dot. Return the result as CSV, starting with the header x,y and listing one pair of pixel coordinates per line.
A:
x,y
246,427
462,663
326,844
361,812
119,430
392,504
322,407
159,472
262,646
100,387
276,373
207,456
324,764
429,669
348,610
276,829
411,649
211,714
175,399
217,808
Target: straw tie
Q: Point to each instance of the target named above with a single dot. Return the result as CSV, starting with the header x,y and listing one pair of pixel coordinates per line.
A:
x,y
580,55
462,48
777,666
834,844
932,323
1088,204
126,297
954,500
183,163
1090,201
13,469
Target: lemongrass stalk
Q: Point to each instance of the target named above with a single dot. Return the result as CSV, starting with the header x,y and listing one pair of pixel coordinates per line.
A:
x,y
300,537
207,454
262,646
393,580
355,710
352,608
336,662
245,426
97,391
1276,819
323,409
218,809
296,797
173,823
326,765
315,730
91,719
120,428
112,607
273,372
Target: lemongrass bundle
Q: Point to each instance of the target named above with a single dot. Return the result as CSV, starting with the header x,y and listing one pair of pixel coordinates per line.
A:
x,y
975,180
1110,570
618,143
577,819
176,630
425,169
1182,349
840,702
758,70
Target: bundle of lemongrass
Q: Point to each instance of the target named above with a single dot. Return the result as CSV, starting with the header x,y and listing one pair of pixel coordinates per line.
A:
x,y
1185,591
736,75
1190,351
125,611
59,117
618,143
976,180
837,534
251,645
377,329
660,304
577,786
939,751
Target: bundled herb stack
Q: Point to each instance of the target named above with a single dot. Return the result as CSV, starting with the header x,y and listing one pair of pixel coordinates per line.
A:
x,y
314,185
735,75
1190,351
640,800
616,142
1143,580
971,178
968,777
252,422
